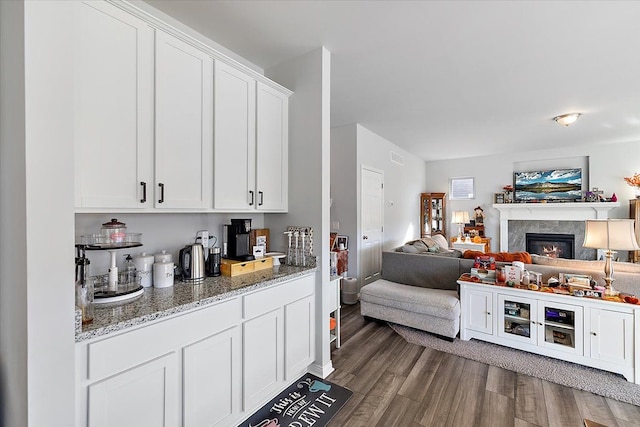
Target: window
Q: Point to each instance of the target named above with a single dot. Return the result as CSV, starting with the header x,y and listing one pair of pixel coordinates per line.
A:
x,y
462,188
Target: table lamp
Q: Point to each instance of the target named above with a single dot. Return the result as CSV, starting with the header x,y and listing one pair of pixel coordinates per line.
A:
x,y
460,218
610,234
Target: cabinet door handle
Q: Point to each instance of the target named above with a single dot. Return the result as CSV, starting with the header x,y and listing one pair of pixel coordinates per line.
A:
x,y
161,185
593,333
251,202
144,192
261,194
488,313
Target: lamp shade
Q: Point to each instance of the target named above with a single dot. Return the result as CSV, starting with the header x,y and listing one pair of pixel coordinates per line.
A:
x,y
460,217
615,234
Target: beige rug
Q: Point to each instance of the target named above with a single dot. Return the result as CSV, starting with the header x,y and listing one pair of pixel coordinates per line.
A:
x,y
553,370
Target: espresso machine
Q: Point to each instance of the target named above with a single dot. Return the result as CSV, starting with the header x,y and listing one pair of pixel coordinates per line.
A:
x,y
238,240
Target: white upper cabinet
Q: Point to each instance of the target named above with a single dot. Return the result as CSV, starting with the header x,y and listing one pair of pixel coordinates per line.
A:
x,y
184,125
272,136
251,143
146,114
235,139
113,96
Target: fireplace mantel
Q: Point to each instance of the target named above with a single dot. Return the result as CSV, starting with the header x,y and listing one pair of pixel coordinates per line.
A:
x,y
549,212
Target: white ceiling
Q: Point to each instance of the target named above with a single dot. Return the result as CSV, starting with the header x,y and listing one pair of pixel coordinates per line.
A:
x,y
450,79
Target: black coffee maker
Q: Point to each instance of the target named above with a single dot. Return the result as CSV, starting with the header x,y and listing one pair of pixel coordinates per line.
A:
x,y
238,240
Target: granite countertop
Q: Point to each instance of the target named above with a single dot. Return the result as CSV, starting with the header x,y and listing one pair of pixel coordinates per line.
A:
x,y
155,303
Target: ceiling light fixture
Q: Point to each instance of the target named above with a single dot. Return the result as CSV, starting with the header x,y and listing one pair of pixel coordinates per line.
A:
x,y
567,119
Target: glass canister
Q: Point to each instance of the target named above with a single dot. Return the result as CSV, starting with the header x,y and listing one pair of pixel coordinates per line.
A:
x,y
84,290
113,231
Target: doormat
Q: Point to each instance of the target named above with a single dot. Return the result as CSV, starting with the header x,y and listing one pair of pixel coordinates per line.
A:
x,y
308,401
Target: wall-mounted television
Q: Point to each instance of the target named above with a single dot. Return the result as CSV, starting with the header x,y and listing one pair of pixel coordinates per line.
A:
x,y
555,185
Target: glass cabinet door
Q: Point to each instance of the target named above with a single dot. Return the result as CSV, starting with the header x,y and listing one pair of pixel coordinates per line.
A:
x,y
561,327
515,318
432,214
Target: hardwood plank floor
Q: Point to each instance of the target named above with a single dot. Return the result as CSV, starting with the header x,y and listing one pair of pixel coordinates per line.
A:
x,y
396,383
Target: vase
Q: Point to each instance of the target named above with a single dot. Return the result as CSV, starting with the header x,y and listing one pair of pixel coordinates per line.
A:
x,y
637,192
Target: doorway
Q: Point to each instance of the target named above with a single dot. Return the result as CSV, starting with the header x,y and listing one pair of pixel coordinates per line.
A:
x,y
371,223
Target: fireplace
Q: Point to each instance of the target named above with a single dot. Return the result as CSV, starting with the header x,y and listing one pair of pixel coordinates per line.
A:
x,y
552,245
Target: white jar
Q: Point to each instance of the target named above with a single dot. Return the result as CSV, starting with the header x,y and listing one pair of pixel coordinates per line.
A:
x,y
163,257
162,274
144,266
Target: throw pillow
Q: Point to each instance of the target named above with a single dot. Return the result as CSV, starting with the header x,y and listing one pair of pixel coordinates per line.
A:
x,y
429,242
441,241
408,248
501,256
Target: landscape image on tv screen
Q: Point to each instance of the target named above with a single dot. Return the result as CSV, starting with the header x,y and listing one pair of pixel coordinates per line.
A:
x,y
557,185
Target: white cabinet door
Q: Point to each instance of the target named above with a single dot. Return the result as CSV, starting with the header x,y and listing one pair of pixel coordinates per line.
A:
x,y
235,139
147,395
611,336
479,309
263,342
212,380
184,124
113,108
272,121
299,337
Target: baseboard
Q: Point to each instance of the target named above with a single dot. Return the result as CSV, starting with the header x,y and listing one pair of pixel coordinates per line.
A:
x,y
321,371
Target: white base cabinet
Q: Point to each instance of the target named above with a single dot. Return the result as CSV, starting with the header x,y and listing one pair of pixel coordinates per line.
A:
x,y
591,332
211,366
212,372
145,395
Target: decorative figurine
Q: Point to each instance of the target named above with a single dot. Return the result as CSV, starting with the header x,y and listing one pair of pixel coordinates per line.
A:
x,y
479,215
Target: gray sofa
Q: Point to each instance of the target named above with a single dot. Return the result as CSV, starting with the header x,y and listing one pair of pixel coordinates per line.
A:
x,y
421,291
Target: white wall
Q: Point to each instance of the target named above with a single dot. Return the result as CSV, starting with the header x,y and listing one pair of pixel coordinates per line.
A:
x,y
308,76
170,232
354,146
607,165
36,248
402,186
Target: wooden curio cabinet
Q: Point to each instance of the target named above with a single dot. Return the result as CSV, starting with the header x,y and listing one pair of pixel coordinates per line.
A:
x,y
634,213
433,215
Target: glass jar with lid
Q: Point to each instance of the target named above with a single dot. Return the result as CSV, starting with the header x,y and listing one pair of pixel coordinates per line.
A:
x,y
113,231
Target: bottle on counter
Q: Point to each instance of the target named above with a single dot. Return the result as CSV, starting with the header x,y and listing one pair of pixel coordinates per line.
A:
x,y
129,269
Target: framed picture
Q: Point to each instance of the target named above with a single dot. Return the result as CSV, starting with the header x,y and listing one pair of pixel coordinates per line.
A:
x,y
342,242
556,185
498,198
332,241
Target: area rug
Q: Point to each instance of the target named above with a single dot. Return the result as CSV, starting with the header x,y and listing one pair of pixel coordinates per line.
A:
x,y
556,371
308,401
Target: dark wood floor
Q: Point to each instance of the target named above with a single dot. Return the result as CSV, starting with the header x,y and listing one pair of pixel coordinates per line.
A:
x,y
395,383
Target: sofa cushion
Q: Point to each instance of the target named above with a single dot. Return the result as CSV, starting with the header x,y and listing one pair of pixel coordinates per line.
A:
x,y
501,256
627,267
426,270
433,302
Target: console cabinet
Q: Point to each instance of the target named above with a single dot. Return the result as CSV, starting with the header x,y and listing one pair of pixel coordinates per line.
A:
x,y
210,366
591,332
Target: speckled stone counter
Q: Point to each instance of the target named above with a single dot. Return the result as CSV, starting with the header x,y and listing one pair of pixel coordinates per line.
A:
x,y
158,303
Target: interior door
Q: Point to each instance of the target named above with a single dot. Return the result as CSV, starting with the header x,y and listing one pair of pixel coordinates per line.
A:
x,y
371,220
